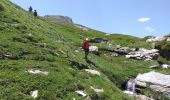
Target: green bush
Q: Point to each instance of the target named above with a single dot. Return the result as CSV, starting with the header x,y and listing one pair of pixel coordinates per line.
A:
x,y
2,7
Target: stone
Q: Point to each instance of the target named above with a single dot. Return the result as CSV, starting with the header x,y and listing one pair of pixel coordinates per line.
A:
x,y
37,72
165,66
34,94
82,93
93,49
97,90
94,72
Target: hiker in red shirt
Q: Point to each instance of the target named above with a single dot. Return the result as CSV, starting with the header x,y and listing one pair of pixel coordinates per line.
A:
x,y
86,47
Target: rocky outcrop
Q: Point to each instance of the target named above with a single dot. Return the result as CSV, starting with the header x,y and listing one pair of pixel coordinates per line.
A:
x,y
84,28
143,54
98,40
122,50
158,82
59,19
155,39
168,39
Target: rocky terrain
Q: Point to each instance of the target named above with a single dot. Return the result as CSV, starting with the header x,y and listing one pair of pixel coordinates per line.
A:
x,y
42,59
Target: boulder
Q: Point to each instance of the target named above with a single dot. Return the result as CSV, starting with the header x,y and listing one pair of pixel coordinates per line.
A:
x,y
143,54
157,82
154,78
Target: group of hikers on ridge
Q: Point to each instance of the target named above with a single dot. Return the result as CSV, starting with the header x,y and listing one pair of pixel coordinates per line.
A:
x,y
35,11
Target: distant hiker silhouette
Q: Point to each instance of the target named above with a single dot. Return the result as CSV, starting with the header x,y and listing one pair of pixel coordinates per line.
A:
x,y
35,13
86,47
30,9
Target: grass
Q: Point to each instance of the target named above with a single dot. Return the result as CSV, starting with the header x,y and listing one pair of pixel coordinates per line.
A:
x,y
28,42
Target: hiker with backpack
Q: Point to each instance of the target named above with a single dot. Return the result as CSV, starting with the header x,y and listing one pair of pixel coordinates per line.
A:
x,y
30,9
86,47
35,13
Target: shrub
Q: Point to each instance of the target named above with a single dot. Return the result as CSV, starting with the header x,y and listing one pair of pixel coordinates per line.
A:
x,y
2,7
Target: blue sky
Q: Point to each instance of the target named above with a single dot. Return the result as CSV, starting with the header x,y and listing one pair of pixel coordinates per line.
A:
x,y
133,17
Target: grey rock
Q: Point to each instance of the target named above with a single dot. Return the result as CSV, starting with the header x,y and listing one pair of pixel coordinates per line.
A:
x,y
59,19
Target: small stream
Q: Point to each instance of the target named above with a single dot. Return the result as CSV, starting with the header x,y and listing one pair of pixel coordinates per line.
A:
x,y
130,87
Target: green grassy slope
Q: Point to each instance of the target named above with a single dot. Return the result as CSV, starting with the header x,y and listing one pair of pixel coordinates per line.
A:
x,y
28,42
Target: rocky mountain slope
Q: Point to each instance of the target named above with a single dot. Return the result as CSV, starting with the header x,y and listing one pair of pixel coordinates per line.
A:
x,y
43,60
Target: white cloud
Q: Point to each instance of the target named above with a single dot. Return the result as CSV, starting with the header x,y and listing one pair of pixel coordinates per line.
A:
x,y
149,29
143,19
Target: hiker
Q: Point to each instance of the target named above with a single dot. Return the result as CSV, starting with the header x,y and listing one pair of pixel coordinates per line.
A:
x,y
35,13
86,47
30,9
